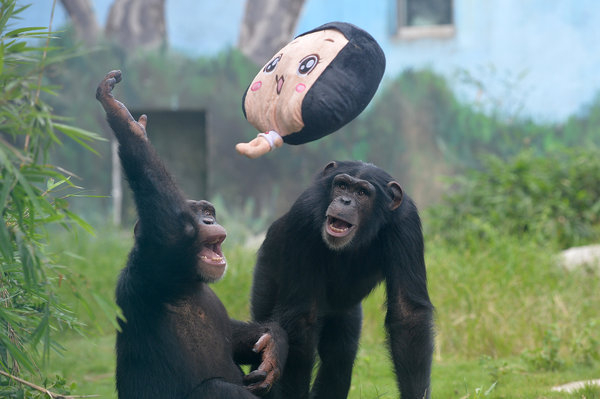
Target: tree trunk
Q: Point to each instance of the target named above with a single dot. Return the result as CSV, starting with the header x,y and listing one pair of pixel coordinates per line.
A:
x,y
268,25
131,24
135,24
116,183
83,19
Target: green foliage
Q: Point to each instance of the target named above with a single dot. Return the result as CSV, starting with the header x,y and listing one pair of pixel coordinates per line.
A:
x,y
57,385
587,392
586,343
480,392
33,195
584,348
547,356
553,198
499,297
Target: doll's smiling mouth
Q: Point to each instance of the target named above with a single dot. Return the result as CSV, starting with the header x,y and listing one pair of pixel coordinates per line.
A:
x,y
280,80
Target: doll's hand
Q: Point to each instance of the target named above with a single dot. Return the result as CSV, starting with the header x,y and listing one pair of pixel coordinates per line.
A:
x,y
262,144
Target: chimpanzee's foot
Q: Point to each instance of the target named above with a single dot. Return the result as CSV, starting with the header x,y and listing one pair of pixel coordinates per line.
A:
x,y
115,109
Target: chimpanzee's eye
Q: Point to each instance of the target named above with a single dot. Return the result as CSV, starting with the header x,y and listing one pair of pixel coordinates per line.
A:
x,y
307,64
341,185
362,192
270,67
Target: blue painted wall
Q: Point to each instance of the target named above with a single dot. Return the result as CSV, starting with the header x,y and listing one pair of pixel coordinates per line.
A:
x,y
543,54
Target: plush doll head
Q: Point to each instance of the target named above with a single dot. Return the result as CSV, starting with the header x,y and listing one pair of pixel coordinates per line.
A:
x,y
312,87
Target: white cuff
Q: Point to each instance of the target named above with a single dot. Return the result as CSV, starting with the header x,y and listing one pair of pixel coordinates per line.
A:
x,y
270,136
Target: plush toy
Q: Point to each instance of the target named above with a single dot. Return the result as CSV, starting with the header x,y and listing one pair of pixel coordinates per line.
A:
x,y
312,87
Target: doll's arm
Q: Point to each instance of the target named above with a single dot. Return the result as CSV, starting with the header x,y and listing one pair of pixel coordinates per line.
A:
x,y
262,144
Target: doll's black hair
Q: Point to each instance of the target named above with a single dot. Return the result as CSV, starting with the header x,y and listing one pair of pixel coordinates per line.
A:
x,y
344,88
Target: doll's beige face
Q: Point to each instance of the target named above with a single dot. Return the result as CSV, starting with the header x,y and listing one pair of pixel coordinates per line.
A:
x,y
274,98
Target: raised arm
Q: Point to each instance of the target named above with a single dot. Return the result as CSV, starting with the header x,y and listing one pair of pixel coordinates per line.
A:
x,y
164,215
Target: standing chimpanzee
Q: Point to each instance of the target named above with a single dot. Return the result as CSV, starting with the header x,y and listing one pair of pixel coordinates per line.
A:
x,y
350,230
176,340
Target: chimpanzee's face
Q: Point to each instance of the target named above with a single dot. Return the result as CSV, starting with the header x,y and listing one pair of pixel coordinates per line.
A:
x,y
274,99
211,263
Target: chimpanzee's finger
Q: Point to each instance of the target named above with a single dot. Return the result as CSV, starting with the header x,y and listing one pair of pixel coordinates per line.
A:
x,y
143,120
259,390
262,342
254,377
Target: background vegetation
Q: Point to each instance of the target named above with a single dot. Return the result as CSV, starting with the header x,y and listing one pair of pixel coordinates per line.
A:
x,y
33,198
508,319
415,127
510,322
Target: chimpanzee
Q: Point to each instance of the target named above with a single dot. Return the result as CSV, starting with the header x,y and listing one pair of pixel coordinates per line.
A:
x,y
176,339
350,230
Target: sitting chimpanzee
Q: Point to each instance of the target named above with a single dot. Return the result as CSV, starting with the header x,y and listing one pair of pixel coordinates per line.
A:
x,y
350,230
177,340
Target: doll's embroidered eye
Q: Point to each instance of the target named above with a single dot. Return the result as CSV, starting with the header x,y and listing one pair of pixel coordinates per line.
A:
x,y
307,64
270,67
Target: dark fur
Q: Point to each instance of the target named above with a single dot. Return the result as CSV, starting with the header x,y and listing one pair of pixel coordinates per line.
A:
x,y
315,292
177,340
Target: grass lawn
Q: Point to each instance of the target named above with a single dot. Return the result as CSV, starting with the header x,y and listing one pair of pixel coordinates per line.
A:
x,y
509,323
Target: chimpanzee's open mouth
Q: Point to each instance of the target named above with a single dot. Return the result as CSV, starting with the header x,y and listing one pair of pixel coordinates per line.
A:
x,y
338,227
211,252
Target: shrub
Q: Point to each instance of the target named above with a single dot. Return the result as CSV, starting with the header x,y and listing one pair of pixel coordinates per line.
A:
x,y
33,195
551,198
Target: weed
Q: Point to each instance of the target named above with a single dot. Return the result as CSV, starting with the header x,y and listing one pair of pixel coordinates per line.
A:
x,y
587,392
495,368
585,346
479,392
547,356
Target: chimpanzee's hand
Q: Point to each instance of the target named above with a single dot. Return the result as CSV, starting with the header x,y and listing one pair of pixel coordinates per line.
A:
x,y
104,90
261,380
115,109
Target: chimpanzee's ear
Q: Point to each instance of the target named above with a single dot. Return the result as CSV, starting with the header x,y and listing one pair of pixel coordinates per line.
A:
x,y
397,194
330,165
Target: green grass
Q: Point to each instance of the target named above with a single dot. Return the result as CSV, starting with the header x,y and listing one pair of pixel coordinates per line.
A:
x,y
509,322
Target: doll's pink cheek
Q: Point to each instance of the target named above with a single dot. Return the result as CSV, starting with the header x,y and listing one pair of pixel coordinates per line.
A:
x,y
300,87
256,86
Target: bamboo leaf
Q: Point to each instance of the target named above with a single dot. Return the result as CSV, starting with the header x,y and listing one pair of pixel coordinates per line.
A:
x,y
110,311
18,354
28,194
28,263
82,223
1,58
72,131
80,136
7,185
42,327
18,32
5,243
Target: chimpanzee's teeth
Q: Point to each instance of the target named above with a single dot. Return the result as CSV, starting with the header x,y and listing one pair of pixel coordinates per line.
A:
x,y
337,230
214,258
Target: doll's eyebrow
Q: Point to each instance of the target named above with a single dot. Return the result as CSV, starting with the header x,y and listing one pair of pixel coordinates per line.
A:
x,y
329,40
